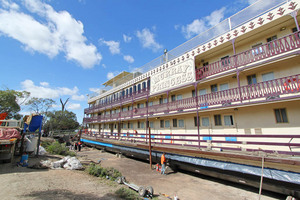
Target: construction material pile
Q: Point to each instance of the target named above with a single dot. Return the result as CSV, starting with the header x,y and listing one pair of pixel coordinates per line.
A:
x,y
70,163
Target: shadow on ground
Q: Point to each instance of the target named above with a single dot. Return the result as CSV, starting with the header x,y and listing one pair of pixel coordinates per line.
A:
x,y
67,195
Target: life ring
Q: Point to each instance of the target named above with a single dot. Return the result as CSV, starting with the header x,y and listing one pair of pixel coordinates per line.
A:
x,y
288,84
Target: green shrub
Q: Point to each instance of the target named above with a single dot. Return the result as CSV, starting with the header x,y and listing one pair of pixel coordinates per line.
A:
x,y
127,194
60,149
97,170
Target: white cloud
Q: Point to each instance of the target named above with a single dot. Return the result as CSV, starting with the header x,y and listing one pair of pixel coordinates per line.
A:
x,y
128,58
252,1
45,84
146,37
54,32
78,97
94,89
41,91
73,106
200,25
127,38
114,47
110,75
104,66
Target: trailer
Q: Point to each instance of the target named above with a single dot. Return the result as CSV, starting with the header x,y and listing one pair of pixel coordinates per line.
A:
x,y
7,149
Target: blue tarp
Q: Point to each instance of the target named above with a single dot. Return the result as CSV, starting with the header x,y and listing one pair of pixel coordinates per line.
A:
x,y
35,123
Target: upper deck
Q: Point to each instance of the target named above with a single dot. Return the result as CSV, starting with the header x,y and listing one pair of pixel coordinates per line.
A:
x,y
251,18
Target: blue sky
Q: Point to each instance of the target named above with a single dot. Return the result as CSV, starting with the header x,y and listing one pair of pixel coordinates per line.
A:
x,y
69,48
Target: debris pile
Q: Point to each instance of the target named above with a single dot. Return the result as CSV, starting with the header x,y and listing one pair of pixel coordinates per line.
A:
x,y
70,163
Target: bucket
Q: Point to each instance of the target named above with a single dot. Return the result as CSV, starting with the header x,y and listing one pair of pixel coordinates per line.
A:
x,y
24,160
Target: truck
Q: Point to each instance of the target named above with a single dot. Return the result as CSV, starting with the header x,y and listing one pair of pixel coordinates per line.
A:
x,y
9,135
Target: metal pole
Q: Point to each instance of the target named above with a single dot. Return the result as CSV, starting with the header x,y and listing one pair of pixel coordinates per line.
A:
x,y
197,106
150,153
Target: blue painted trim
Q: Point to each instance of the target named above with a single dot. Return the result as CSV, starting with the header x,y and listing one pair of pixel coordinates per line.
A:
x,y
207,138
98,143
233,139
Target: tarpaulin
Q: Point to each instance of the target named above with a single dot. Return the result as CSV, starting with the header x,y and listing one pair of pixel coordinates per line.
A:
x,y
34,124
9,133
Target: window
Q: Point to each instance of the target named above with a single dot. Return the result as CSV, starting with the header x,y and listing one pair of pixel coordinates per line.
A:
x,y
280,115
163,100
139,125
181,123
139,87
257,49
174,122
205,121
162,123
251,79
228,120
151,124
202,91
141,105
271,45
167,124
124,109
150,103
124,126
173,97
179,97
225,61
144,85
195,122
224,86
218,121
138,105
214,88
268,76
193,93
142,125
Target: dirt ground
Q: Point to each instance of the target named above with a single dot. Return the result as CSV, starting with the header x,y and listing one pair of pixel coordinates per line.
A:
x,y
26,183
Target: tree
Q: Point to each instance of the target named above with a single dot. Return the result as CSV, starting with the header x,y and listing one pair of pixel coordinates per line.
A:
x,y
58,120
63,105
9,102
40,105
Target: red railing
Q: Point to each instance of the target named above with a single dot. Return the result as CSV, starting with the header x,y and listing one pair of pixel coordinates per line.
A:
x,y
270,49
263,91
279,144
125,99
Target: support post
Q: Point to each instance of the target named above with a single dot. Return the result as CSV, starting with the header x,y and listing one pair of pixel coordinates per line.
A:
x,y
294,15
150,152
237,70
197,107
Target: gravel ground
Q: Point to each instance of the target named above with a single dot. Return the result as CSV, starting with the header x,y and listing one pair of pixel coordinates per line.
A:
x,y
26,183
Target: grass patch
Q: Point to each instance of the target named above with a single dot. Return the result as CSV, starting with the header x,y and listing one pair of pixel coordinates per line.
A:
x,y
57,148
97,170
127,194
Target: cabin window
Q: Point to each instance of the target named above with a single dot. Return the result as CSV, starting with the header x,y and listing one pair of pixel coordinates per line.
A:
x,y
195,121
205,121
225,61
151,124
271,44
179,96
251,79
193,93
218,121
173,97
181,123
268,76
202,91
257,49
214,88
162,123
167,124
175,123
224,86
280,115
228,120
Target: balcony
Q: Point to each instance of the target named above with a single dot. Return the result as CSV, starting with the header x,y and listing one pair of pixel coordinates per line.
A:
x,y
271,49
273,90
111,103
